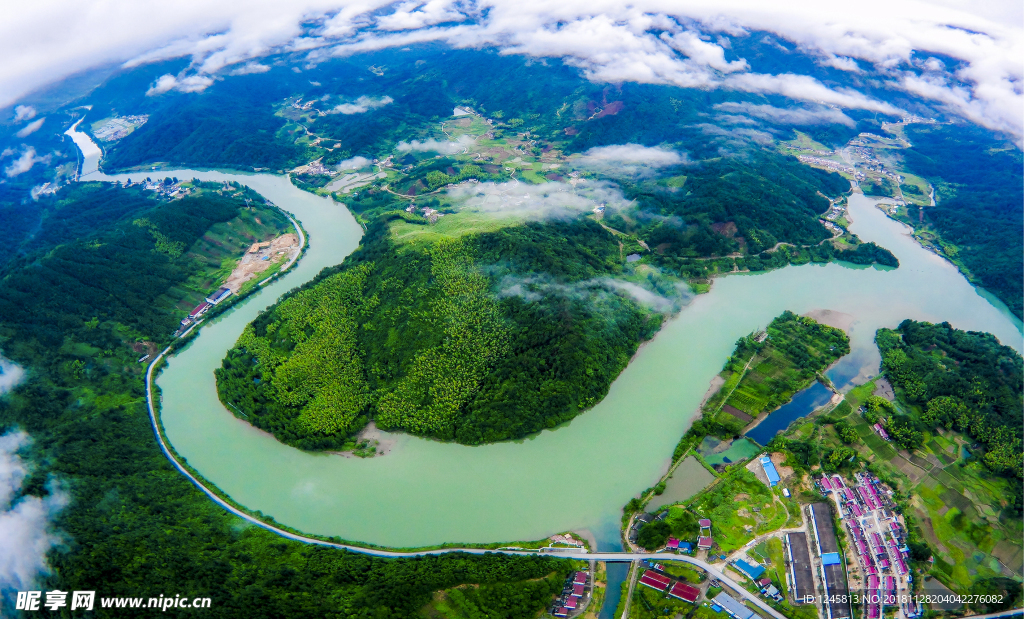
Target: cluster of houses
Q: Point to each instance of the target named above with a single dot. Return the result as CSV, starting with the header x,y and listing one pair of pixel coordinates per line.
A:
x,y
570,602
882,554
202,308
704,539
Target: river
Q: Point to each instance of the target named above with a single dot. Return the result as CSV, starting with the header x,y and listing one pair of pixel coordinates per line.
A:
x,y
577,476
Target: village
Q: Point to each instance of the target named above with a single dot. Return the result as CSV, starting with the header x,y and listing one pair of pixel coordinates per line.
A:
x,y
864,575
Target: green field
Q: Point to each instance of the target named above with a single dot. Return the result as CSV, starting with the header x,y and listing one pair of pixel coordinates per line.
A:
x,y
765,375
451,225
730,505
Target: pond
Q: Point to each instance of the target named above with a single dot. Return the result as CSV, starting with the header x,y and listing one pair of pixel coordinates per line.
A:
x,y
802,404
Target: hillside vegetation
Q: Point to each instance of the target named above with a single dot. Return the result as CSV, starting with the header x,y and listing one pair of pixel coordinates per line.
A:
x,y
979,211
475,339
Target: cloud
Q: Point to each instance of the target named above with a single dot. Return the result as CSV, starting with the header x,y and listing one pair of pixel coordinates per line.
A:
x,y
650,41
25,532
250,68
361,105
25,162
537,202
24,112
820,115
353,164
30,128
168,82
655,292
459,145
629,158
10,375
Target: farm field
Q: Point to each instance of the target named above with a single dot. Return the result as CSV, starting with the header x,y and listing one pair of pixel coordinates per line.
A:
x,y
766,374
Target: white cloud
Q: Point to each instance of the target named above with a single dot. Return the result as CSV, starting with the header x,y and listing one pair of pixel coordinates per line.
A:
x,y
24,112
250,68
10,375
25,162
190,83
361,105
415,15
25,532
354,163
460,144
30,128
653,41
553,200
637,154
820,115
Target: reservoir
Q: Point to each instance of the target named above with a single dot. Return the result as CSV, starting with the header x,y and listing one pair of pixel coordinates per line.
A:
x,y
577,476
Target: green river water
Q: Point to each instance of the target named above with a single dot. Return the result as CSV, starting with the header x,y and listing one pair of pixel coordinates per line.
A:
x,y
577,476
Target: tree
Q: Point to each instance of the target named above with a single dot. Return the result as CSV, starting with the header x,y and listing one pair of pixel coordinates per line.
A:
x,y
654,535
846,432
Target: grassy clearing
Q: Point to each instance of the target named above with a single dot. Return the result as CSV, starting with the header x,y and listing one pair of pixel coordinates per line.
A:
x,y
730,505
452,225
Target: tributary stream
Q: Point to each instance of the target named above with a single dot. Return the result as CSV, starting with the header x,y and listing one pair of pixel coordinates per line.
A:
x,y
577,476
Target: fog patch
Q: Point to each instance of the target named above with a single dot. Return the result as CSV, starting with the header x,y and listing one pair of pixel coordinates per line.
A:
x,y
630,159
25,162
460,144
10,375
555,200
820,115
361,105
354,163
250,68
30,128
25,535
168,82
652,290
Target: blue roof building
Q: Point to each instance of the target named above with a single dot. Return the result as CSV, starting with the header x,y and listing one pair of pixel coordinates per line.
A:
x,y
686,546
769,470
830,558
753,571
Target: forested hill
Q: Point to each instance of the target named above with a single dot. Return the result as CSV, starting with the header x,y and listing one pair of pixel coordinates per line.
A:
x,y
476,339
77,316
961,380
112,264
979,210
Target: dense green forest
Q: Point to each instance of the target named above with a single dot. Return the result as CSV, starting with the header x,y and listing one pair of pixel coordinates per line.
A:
x,y
478,339
979,209
961,380
134,526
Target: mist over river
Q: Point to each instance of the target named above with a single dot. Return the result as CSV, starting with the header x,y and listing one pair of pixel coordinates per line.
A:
x,y
577,476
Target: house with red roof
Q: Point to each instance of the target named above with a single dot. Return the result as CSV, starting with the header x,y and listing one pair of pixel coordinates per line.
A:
x,y
685,592
580,578
577,590
704,523
571,602
705,543
654,580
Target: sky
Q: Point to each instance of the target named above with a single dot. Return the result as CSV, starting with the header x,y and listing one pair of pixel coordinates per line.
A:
x,y
654,41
